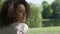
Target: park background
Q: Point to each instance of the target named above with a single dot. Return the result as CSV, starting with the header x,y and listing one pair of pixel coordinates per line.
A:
x,y
44,17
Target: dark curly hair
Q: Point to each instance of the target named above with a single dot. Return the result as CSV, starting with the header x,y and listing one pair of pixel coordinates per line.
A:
x,y
7,15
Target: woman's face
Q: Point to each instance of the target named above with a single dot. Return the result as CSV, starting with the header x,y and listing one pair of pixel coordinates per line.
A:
x,y
20,13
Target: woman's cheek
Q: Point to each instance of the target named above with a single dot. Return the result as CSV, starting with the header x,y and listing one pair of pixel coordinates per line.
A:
x,y
21,16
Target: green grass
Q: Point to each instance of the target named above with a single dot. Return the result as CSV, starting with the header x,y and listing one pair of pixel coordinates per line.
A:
x,y
43,29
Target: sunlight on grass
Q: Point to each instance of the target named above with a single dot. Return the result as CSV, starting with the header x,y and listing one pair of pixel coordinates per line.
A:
x,y
45,29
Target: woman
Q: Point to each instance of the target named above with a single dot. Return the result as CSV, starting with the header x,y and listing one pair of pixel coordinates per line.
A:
x,y
14,14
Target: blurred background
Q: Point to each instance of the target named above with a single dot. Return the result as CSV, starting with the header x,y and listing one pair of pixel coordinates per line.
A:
x,y
44,18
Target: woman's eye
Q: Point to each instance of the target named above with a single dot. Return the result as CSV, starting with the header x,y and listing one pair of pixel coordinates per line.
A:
x,y
20,12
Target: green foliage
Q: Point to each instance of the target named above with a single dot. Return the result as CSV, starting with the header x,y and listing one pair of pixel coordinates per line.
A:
x,y
47,11
45,4
56,8
1,2
35,16
51,12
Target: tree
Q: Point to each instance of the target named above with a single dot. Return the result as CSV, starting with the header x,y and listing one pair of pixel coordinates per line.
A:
x,y
56,9
47,10
56,12
34,17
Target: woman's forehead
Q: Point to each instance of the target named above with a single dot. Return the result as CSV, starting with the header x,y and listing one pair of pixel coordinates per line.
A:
x,y
21,8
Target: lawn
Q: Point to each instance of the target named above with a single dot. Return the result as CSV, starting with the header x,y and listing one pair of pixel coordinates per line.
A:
x,y
44,30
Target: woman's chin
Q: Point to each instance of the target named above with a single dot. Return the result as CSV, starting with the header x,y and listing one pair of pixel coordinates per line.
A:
x,y
20,20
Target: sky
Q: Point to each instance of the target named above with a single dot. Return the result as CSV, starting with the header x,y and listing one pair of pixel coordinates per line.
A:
x,y
39,2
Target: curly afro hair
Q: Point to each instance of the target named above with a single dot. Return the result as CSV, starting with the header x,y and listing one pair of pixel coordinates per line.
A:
x,y
7,15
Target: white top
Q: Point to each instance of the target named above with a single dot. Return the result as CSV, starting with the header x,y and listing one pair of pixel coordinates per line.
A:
x,y
16,28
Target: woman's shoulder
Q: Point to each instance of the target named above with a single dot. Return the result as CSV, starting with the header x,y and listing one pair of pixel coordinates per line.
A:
x,y
22,25
26,26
